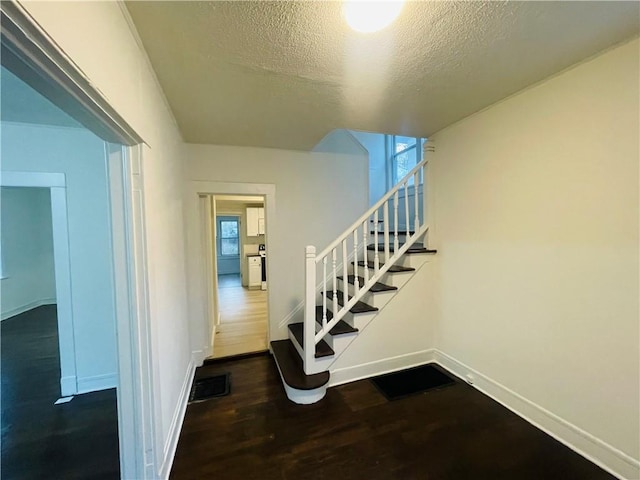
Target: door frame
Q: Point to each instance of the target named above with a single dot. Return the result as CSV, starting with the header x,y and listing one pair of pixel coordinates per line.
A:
x,y
34,56
203,315
56,184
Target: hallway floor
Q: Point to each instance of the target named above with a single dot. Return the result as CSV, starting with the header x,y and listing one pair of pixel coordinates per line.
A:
x,y
75,440
455,433
243,319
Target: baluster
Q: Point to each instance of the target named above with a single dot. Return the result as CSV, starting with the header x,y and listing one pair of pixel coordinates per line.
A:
x,y
309,331
356,280
364,252
396,244
407,224
385,214
376,258
416,222
345,283
324,293
335,281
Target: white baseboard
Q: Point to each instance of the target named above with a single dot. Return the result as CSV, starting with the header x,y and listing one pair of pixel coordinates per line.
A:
x,y
68,386
380,367
595,450
171,443
25,308
198,356
96,383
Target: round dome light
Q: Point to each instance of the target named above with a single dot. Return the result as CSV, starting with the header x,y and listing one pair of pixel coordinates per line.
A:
x,y
370,16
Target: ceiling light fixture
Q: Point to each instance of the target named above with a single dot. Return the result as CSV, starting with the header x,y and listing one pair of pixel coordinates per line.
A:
x,y
370,16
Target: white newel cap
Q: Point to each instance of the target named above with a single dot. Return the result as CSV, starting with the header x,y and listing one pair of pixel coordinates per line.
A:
x,y
310,250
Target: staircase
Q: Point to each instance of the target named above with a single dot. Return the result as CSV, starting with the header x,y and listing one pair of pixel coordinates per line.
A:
x,y
351,281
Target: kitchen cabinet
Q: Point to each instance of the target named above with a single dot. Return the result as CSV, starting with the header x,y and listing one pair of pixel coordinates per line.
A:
x,y
254,267
255,221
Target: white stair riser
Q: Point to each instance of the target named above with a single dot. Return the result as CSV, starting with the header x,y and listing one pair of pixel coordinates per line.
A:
x,y
397,279
375,299
349,286
319,364
413,260
340,342
360,320
360,271
302,397
378,299
402,237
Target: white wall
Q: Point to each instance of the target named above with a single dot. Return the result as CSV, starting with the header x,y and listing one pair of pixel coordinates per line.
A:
x,y
537,208
27,250
374,143
400,336
80,156
318,195
100,41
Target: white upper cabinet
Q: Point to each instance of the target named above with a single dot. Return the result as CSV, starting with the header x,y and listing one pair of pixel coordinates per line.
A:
x,y
255,221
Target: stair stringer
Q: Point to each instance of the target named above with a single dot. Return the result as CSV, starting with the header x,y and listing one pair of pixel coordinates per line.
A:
x,y
401,335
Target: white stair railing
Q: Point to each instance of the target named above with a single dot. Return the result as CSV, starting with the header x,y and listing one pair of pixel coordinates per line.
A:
x,y
336,256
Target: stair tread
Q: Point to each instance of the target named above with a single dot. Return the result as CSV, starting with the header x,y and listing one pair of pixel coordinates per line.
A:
x,y
377,287
322,348
290,365
400,232
319,314
359,307
415,248
341,328
392,269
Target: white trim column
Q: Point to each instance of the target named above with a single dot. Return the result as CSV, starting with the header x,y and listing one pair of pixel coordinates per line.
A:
x,y
56,183
428,193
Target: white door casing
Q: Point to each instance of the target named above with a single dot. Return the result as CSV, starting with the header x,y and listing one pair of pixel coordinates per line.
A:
x,y
201,329
56,183
30,53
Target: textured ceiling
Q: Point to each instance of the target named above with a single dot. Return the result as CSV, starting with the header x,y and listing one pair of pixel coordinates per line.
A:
x,y
284,74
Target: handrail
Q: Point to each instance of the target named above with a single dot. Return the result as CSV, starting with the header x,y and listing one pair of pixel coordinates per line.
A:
x,y
350,242
337,316
369,212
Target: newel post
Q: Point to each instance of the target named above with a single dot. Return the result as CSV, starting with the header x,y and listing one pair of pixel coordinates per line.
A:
x,y
309,307
428,201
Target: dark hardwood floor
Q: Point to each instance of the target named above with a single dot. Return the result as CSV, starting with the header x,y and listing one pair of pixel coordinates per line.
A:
x,y
76,440
455,433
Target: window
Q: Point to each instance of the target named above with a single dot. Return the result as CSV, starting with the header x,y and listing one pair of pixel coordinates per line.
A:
x,y
405,153
228,241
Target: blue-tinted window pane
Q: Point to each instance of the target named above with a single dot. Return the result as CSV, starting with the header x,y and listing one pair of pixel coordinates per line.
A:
x,y
402,143
229,229
404,162
229,246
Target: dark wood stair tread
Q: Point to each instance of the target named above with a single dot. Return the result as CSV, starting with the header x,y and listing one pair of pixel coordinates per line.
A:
x,y
377,287
322,348
290,365
339,328
400,232
319,314
359,307
415,248
392,269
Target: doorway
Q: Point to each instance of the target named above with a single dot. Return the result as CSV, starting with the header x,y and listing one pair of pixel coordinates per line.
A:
x,y
41,347
239,248
69,105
